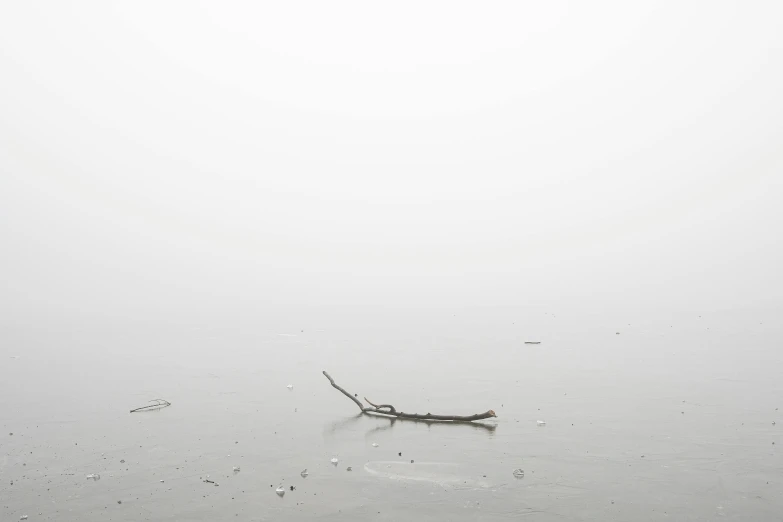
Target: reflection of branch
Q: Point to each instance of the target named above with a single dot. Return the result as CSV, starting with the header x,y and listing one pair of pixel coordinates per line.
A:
x,y
339,425
158,404
393,420
389,410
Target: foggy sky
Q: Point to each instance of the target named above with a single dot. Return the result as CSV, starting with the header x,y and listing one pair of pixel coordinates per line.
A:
x,y
189,159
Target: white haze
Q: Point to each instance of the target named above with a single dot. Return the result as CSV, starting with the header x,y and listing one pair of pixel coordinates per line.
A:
x,y
184,161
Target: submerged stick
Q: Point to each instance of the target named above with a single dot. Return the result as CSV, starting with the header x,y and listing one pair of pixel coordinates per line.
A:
x,y
391,411
158,404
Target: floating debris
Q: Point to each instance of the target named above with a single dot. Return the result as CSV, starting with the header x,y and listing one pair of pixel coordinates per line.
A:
x,y
532,342
280,491
540,423
236,469
334,461
518,473
374,444
93,476
617,333
304,473
122,461
773,423
293,488
23,517
157,405
290,386
349,468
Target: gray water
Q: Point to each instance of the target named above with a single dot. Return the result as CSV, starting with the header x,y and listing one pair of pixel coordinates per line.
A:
x,y
671,419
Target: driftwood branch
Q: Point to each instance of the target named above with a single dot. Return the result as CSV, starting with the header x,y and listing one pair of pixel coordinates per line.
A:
x,y
391,411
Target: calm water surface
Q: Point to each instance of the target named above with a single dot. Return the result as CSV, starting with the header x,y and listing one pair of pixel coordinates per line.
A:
x,y
671,419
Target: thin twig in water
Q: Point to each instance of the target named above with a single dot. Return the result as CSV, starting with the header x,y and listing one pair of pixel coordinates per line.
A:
x,y
157,404
391,411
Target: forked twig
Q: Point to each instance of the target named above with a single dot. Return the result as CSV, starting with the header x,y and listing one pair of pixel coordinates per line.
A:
x,y
391,411
158,404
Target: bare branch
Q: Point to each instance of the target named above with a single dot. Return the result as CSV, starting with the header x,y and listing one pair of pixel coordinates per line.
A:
x,y
391,411
352,397
379,406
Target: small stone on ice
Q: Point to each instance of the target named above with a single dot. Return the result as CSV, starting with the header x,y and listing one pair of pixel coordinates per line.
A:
x,y
518,473
280,491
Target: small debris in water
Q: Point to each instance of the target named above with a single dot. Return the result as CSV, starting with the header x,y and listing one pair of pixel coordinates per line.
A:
x,y
400,453
349,468
280,491
617,333
518,473
236,469
119,502
540,423
293,488
290,386
94,476
122,461
334,461
411,461
157,404
374,444
642,456
23,517
773,423
161,481
304,473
